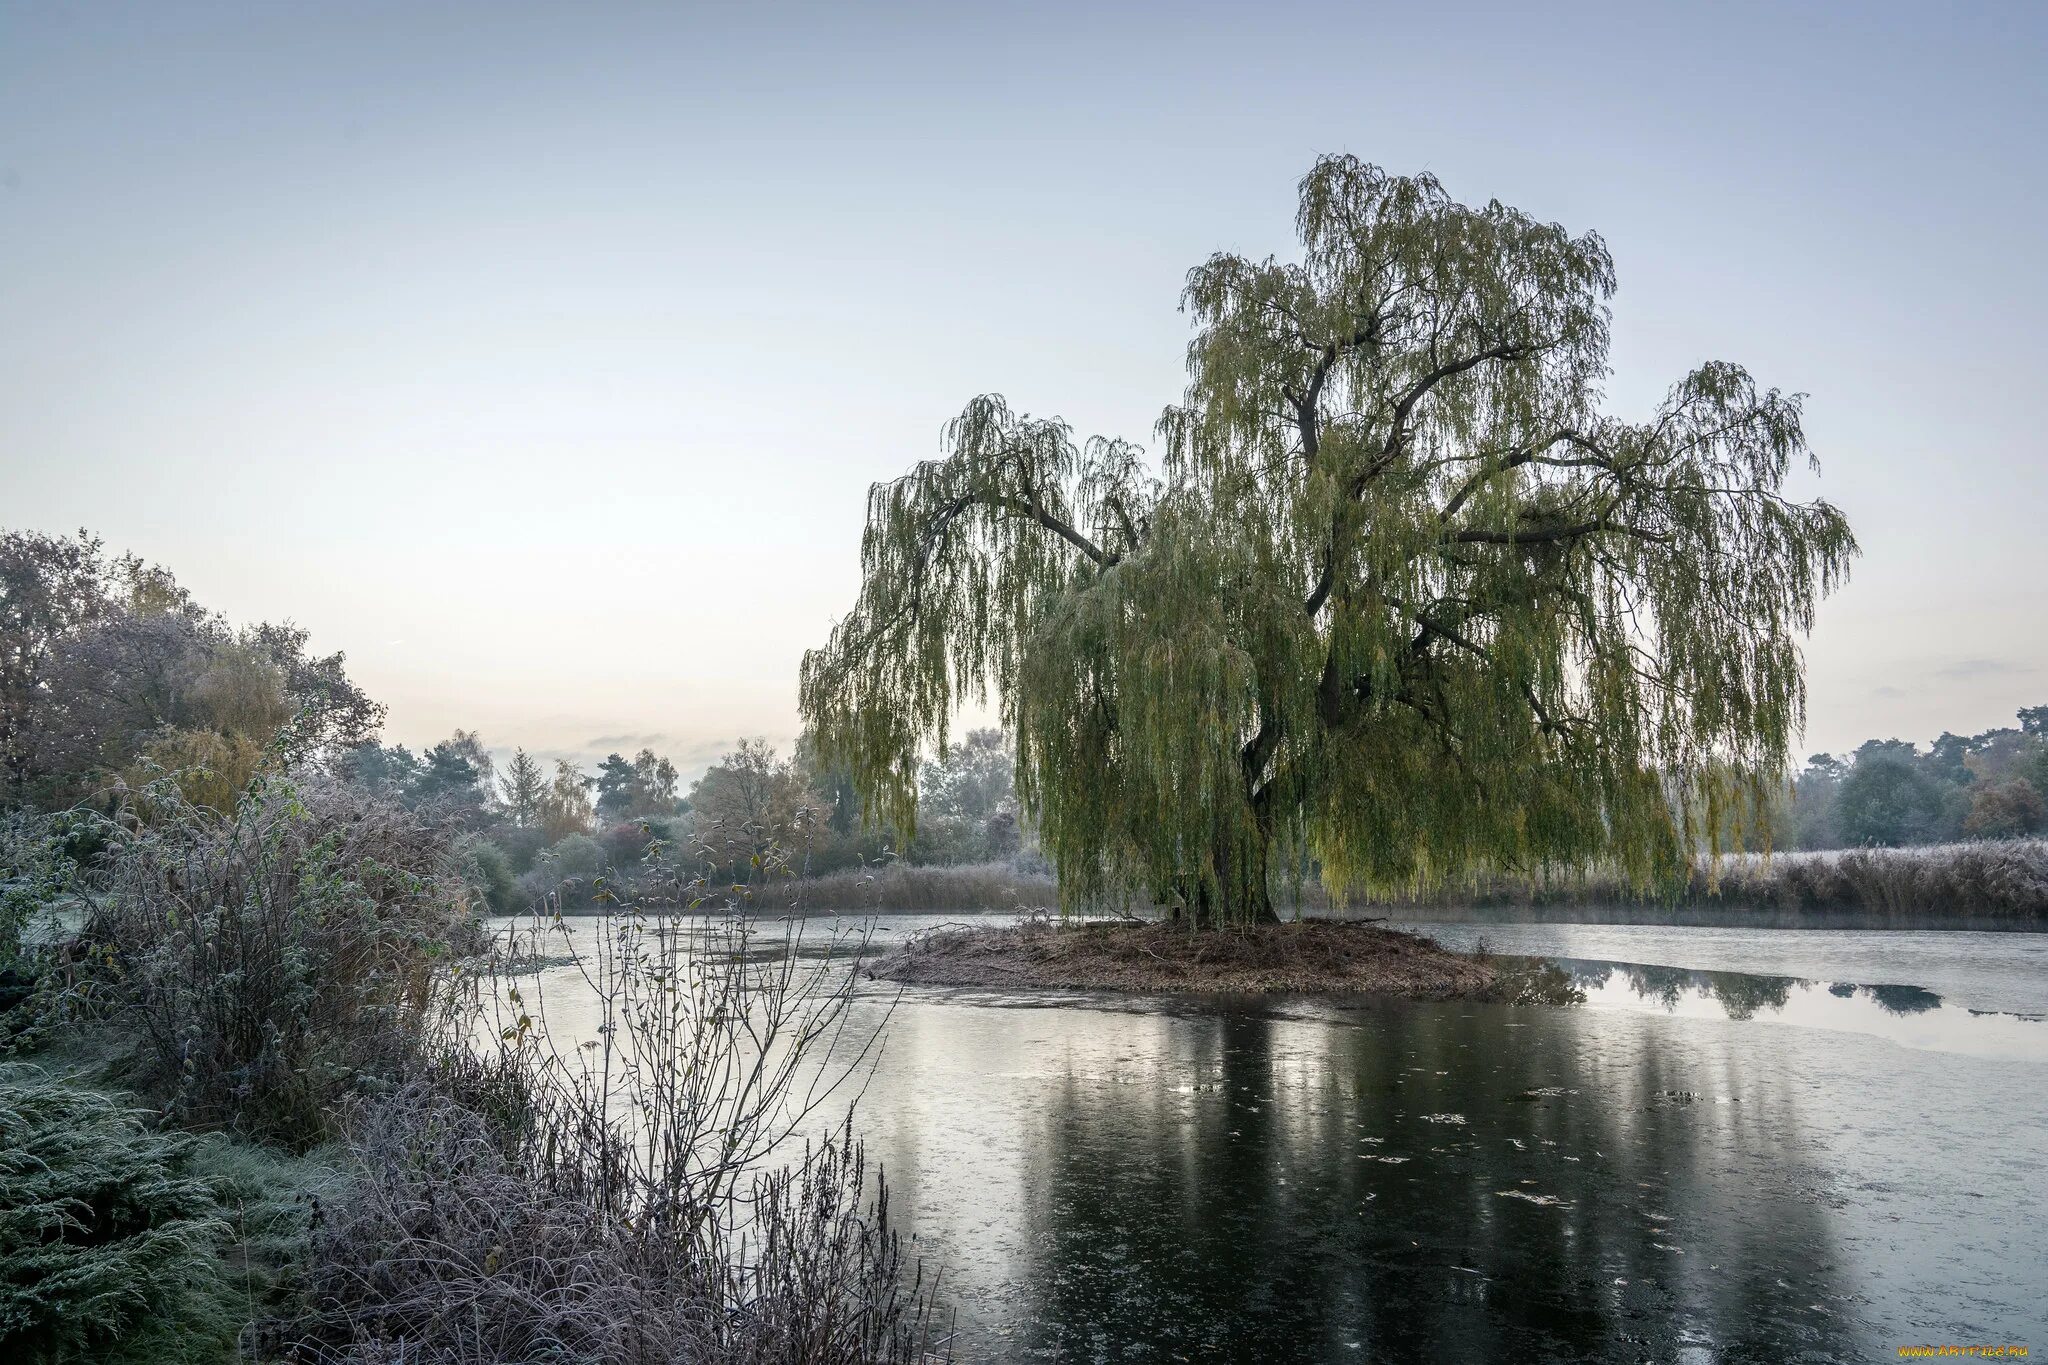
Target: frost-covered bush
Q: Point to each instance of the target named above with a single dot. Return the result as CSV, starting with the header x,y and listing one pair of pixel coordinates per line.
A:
x,y
110,1241
541,1201
272,959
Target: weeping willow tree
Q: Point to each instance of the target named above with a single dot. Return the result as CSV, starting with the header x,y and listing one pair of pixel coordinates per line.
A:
x,y
1400,603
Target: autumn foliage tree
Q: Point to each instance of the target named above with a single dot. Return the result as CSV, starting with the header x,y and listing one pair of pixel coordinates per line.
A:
x,y
1400,601
565,806
111,674
751,806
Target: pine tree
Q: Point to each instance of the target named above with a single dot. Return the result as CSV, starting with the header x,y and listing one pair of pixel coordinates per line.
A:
x,y
525,788
617,787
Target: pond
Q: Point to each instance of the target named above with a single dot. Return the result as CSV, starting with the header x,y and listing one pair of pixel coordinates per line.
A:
x,y
1747,1145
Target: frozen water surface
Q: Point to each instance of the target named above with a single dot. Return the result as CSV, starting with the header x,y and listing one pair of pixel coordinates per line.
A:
x,y
1748,1145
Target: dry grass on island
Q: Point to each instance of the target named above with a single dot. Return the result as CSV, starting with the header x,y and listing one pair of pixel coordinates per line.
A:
x,y
1307,957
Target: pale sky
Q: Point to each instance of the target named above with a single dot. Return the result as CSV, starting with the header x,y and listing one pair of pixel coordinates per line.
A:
x,y
539,356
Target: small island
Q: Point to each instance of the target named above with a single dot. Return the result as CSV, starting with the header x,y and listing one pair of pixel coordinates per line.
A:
x,y
1305,957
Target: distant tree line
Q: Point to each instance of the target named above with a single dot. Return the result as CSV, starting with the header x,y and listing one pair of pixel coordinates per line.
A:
x,y
536,830
1891,792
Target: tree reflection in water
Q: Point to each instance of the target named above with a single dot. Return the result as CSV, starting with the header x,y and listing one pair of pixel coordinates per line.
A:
x,y
1741,995
1903,999
1414,1189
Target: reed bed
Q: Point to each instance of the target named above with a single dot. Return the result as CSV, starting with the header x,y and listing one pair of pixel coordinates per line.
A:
x,y
2004,880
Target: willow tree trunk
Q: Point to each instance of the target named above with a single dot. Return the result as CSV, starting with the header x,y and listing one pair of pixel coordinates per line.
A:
x,y
1246,875
1255,877
1240,892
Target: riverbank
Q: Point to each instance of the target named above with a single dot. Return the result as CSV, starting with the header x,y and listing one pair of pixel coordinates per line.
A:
x,y
1694,916
314,1122
1310,957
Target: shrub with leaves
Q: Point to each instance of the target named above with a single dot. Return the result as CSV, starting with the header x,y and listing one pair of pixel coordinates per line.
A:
x,y
39,857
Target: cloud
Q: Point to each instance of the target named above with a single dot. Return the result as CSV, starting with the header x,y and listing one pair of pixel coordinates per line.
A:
x,y
691,755
1888,692
684,750
705,751
653,741
1984,668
